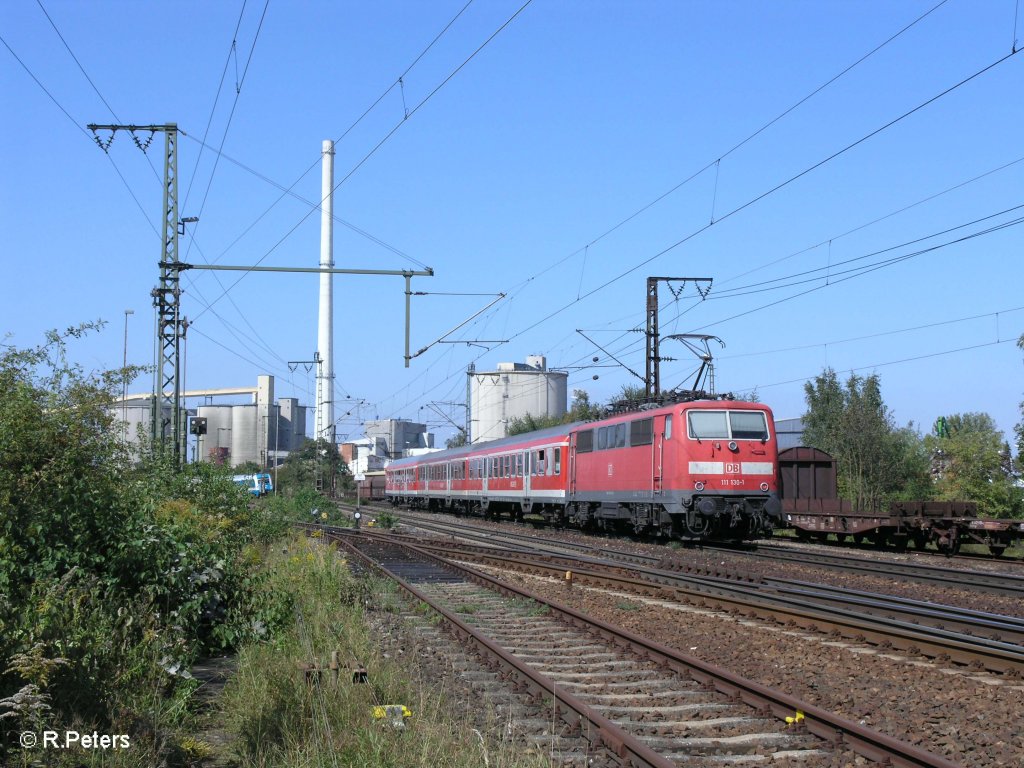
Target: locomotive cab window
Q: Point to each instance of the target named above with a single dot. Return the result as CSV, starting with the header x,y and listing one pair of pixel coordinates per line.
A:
x,y
707,425
727,425
748,425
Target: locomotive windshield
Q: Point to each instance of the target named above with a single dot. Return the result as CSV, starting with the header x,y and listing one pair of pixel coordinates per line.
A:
x,y
727,425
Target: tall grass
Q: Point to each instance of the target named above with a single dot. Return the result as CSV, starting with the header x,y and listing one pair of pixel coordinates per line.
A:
x,y
284,716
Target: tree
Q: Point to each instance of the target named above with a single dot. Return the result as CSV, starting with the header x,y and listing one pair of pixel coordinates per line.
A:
x,y
876,462
519,425
1018,429
971,460
580,410
457,440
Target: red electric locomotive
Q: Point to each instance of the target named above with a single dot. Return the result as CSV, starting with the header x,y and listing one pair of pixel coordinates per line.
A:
x,y
703,469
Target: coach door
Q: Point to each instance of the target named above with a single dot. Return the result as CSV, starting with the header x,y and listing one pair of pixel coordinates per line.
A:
x,y
528,458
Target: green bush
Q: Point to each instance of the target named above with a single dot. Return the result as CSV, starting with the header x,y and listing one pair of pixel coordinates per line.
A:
x,y
114,577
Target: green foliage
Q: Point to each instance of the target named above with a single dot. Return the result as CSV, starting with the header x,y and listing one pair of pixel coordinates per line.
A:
x,y
113,577
632,393
581,410
386,520
456,441
283,718
518,425
1018,429
876,461
972,465
316,457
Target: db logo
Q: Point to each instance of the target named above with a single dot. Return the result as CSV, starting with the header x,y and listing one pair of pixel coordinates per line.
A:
x,y
732,469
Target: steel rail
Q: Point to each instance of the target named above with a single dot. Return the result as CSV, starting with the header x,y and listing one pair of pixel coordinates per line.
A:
x,y
1001,583
995,656
1003,654
623,744
827,726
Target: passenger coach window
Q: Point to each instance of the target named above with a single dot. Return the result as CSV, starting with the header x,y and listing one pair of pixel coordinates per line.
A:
x,y
558,461
585,441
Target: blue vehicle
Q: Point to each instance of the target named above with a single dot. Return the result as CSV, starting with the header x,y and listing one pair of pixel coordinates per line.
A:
x,y
258,484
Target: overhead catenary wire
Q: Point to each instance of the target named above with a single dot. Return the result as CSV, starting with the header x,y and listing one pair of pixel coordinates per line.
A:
x,y
386,137
888,262
152,167
289,190
758,198
81,128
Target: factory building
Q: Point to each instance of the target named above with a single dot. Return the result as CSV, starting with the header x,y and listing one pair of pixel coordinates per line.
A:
x,y
364,455
262,431
394,437
789,432
514,390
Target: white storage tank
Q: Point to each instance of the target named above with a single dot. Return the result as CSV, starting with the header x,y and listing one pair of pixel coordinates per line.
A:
x,y
245,443
215,445
513,391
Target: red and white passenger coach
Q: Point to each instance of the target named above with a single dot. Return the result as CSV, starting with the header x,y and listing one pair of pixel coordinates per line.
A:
x,y
693,470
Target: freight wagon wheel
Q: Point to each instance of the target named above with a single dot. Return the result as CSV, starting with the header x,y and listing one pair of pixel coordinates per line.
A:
x,y
858,538
948,547
997,551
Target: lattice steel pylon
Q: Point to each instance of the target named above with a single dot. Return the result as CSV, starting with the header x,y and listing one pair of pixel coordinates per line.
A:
x,y
652,377
166,296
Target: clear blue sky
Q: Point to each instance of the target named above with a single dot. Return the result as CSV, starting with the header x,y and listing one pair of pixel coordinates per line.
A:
x,y
514,175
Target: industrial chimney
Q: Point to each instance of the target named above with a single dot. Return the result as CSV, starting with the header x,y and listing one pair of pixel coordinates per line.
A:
x,y
325,334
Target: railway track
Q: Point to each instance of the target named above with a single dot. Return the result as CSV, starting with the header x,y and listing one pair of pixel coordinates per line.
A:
x,y
961,636
645,703
982,581
997,583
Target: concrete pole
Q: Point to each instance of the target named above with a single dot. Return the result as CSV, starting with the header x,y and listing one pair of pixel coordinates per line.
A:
x,y
325,335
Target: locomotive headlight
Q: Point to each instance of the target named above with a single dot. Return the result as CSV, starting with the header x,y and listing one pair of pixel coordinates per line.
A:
x,y
699,486
764,486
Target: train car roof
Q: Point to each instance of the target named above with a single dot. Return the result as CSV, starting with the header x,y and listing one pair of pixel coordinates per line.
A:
x,y
561,429
465,450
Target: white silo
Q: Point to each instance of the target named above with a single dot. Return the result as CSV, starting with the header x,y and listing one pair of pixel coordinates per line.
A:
x,y
244,435
215,445
514,390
